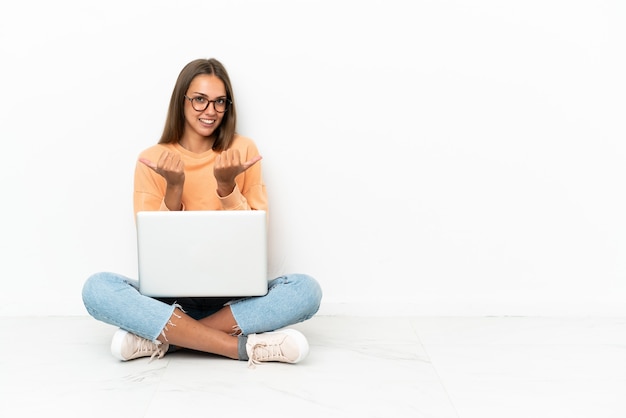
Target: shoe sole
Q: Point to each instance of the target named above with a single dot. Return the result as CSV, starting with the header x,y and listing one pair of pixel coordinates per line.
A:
x,y
301,341
116,344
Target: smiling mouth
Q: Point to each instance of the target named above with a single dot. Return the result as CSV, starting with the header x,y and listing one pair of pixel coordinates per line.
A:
x,y
207,121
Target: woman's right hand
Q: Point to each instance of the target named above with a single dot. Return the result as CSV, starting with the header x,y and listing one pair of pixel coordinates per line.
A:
x,y
170,166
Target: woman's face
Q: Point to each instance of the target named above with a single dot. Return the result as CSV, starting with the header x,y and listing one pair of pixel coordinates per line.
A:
x,y
202,89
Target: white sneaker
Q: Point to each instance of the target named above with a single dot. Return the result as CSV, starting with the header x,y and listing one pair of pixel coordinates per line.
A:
x,y
287,346
127,346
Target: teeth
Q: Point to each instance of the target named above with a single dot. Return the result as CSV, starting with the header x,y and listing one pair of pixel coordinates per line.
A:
x,y
209,121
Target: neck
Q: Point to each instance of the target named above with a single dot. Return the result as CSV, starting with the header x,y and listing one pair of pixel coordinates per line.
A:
x,y
197,146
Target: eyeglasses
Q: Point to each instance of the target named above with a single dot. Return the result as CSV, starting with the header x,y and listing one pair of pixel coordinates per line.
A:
x,y
201,103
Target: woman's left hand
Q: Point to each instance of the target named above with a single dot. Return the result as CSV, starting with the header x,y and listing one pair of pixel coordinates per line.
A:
x,y
229,165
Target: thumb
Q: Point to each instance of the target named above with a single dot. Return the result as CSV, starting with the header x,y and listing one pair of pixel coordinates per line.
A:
x,y
148,163
252,162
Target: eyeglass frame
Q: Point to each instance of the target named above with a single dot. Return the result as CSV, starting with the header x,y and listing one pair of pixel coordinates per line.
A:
x,y
208,103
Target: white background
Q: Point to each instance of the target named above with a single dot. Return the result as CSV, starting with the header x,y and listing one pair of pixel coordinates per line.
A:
x,y
421,157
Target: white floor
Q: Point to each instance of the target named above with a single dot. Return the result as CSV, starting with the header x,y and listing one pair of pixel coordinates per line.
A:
x,y
358,367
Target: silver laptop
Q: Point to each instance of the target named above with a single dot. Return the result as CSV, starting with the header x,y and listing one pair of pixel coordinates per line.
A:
x,y
202,253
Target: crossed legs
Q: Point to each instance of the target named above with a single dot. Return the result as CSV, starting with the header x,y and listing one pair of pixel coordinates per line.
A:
x,y
239,330
213,334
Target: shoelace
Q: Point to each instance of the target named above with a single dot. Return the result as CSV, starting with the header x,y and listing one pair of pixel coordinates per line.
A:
x,y
147,346
158,352
264,352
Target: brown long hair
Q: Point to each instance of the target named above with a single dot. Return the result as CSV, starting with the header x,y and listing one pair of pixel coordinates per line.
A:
x,y
175,121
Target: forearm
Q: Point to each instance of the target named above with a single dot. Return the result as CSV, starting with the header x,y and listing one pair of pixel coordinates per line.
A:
x,y
173,197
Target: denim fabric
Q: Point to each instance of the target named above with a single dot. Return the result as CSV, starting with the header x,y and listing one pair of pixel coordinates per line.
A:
x,y
291,299
115,299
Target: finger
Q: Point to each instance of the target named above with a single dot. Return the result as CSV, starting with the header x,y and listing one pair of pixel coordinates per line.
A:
x,y
180,166
149,163
218,161
167,162
252,162
232,156
172,161
165,156
226,158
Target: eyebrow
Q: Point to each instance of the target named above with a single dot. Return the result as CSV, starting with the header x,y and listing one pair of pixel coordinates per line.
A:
x,y
202,94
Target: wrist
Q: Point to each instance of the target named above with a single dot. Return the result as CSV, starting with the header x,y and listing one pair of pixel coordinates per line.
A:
x,y
224,190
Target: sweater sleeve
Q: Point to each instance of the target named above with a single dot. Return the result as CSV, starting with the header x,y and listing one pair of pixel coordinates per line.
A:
x,y
149,187
253,199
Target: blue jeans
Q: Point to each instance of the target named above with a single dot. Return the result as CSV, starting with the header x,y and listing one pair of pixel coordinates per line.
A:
x,y
115,299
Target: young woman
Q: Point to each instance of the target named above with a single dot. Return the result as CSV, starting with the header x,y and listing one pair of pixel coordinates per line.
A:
x,y
201,163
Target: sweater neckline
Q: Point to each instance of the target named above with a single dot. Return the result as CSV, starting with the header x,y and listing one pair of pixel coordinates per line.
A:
x,y
191,154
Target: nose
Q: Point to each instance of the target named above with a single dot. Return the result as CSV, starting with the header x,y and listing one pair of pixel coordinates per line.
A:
x,y
211,107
